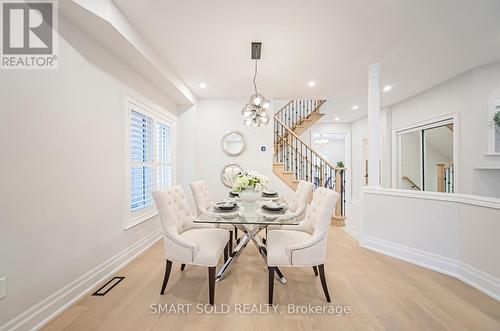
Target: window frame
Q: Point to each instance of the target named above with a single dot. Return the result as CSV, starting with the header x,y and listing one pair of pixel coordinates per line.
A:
x,y
159,115
452,118
493,102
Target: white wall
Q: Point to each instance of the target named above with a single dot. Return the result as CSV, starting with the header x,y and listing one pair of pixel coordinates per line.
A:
x,y
187,148
327,127
468,95
359,131
216,117
453,234
62,174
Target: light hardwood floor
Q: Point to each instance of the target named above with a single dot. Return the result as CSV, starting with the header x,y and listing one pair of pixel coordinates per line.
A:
x,y
383,293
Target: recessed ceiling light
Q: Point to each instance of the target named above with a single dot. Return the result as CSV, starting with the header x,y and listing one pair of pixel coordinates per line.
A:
x,y
336,119
311,83
203,85
387,88
355,107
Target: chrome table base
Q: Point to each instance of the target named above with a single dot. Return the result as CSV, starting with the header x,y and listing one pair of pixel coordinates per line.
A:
x,y
251,233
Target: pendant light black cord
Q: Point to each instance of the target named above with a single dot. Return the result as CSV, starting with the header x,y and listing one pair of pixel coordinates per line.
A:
x,y
254,77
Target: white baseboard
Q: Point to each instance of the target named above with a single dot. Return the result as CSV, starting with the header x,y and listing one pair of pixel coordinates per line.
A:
x,y
476,278
352,232
43,312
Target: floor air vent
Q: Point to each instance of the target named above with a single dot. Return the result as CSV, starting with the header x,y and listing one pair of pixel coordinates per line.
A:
x,y
108,286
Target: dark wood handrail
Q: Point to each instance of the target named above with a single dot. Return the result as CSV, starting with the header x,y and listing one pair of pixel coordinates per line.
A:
x,y
413,185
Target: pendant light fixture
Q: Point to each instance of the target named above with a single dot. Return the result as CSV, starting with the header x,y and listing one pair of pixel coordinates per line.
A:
x,y
255,111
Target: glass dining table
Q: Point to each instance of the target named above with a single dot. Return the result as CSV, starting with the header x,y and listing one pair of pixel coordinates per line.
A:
x,y
251,218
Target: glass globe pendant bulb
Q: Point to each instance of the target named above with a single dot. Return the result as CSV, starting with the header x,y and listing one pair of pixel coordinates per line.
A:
x,y
256,100
264,118
247,111
266,104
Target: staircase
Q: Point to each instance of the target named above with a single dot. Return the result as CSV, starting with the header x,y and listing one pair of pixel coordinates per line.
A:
x,y
294,160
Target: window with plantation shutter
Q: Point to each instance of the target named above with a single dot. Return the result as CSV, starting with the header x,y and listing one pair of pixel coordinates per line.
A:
x,y
150,144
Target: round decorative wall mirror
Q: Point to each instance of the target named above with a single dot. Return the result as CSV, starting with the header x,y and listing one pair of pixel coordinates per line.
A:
x,y
229,173
233,143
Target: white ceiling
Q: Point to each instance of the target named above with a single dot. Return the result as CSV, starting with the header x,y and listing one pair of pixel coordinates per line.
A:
x,y
420,43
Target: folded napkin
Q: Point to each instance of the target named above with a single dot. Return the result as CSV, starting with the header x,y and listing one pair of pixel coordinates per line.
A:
x,y
226,204
273,205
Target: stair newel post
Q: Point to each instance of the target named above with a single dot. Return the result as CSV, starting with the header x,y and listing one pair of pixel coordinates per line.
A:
x,y
441,180
338,189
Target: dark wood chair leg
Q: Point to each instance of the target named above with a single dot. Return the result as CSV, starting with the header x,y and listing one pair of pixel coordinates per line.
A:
x,y
271,284
211,284
230,243
321,268
168,267
183,266
315,271
226,250
236,236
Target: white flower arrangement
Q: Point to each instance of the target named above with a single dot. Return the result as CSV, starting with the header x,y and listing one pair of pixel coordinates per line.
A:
x,y
249,179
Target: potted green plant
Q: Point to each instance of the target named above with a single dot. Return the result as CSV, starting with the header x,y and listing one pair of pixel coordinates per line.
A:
x,y
496,118
340,164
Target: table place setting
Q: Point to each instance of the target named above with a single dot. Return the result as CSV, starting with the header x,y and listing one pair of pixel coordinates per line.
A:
x,y
226,206
269,193
274,207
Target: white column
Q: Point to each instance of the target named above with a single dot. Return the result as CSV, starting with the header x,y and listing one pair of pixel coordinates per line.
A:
x,y
374,125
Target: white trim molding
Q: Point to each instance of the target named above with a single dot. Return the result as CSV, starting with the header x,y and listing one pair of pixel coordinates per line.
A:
x,y
447,233
453,118
150,109
470,199
46,310
493,103
474,277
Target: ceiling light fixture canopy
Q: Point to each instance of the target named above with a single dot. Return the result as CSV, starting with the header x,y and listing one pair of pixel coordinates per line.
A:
x,y
255,111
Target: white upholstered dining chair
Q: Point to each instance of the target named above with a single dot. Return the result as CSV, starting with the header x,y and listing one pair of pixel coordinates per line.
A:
x,y
306,245
297,205
204,202
183,240
301,198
